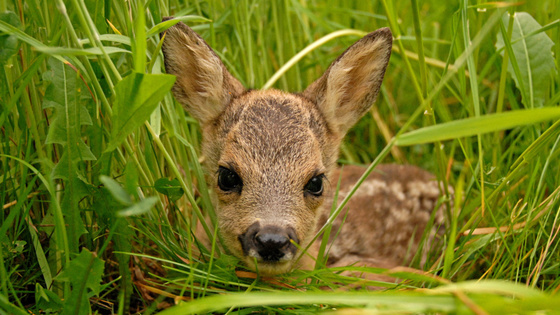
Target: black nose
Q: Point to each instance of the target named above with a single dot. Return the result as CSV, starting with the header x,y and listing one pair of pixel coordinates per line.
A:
x,y
270,243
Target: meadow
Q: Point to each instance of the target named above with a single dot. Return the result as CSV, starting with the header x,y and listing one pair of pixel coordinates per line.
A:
x,y
101,180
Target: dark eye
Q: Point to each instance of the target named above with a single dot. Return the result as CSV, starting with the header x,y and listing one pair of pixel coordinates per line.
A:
x,y
315,185
228,180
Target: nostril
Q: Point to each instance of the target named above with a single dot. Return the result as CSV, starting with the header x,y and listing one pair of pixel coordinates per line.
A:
x,y
272,246
269,243
272,241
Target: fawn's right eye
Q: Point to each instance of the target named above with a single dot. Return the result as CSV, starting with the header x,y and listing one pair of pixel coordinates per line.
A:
x,y
315,185
228,180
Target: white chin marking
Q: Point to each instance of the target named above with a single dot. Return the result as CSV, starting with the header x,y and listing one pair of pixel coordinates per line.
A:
x,y
252,254
269,268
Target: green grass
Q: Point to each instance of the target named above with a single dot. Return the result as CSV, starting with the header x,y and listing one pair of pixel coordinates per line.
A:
x,y
102,186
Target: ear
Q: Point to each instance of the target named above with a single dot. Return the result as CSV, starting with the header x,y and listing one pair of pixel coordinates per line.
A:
x,y
350,85
203,86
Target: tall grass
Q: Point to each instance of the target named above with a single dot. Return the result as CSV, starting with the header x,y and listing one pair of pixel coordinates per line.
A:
x,y
102,187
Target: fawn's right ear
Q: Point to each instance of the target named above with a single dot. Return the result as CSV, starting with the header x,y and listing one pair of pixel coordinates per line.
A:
x,y
350,85
203,86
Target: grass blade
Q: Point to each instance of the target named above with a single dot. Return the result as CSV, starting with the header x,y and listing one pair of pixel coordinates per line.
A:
x,y
478,125
531,60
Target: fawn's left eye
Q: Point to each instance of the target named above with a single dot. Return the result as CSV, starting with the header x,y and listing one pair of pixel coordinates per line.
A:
x,y
315,185
228,180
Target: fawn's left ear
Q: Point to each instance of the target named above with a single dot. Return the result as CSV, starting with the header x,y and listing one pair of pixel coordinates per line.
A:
x,y
350,85
204,86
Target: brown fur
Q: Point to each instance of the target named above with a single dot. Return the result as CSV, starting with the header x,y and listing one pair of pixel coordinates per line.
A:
x,y
276,142
392,207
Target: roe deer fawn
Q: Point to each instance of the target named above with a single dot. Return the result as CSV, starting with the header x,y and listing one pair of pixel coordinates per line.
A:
x,y
270,158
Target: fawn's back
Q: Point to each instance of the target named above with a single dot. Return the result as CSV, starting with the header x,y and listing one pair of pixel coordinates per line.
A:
x,y
270,158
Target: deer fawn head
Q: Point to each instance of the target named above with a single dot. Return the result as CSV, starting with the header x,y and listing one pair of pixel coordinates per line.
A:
x,y
269,154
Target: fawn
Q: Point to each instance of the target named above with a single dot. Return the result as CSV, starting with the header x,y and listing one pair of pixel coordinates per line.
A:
x,y
270,158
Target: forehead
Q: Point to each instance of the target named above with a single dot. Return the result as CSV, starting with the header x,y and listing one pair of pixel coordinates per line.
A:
x,y
268,127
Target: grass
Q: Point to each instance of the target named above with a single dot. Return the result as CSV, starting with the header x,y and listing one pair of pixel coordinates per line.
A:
x,y
101,183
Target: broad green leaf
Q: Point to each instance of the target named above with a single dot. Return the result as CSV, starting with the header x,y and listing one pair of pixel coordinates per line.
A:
x,y
66,95
84,274
170,188
116,190
47,300
478,125
8,42
138,208
532,62
137,96
79,152
75,190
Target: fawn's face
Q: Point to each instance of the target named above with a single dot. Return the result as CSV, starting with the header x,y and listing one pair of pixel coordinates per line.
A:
x,y
269,154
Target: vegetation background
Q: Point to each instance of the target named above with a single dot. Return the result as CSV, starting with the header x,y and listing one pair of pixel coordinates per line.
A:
x,y
101,182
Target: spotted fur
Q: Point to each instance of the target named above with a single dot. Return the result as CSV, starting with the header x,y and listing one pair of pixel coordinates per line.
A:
x,y
277,142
